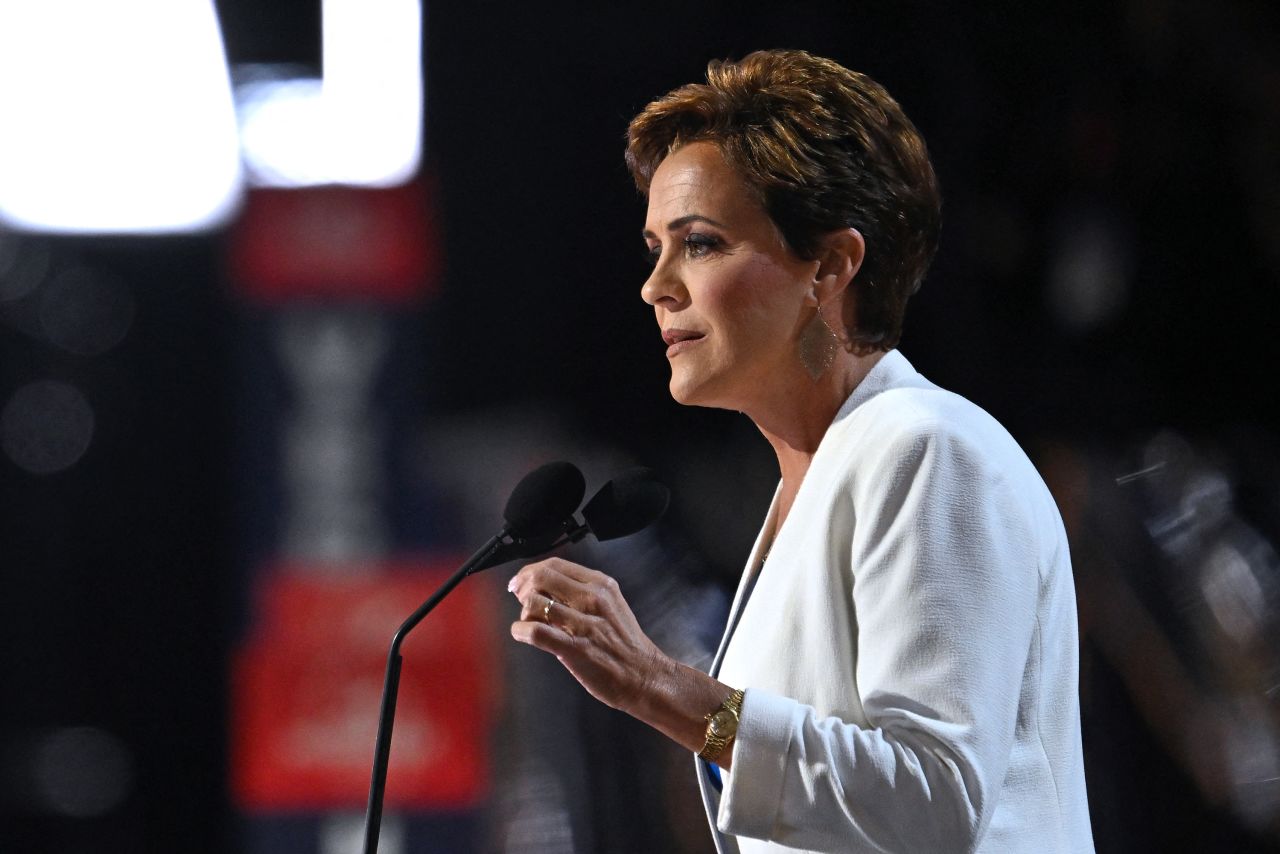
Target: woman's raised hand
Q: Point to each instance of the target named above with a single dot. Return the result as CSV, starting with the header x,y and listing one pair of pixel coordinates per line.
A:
x,y
579,615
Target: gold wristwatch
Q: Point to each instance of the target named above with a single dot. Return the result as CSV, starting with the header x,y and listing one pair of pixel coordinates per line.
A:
x,y
722,726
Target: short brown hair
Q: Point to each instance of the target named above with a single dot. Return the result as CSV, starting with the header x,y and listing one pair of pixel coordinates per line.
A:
x,y
824,148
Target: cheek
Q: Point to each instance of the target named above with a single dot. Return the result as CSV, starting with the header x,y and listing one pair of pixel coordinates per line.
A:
x,y
758,300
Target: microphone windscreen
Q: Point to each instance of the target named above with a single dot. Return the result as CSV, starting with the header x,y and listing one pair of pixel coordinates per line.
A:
x,y
544,500
631,501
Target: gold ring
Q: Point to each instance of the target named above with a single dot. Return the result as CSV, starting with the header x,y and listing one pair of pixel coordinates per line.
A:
x,y
546,610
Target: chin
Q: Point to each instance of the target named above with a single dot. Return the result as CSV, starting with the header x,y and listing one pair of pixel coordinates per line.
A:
x,y
690,392
679,392
682,390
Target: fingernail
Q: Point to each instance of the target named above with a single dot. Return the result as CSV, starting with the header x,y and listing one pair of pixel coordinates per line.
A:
x,y
511,585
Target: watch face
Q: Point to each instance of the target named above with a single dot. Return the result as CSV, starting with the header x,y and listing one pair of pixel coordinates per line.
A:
x,y
723,723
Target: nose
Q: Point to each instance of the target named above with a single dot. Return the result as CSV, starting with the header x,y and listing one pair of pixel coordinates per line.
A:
x,y
664,287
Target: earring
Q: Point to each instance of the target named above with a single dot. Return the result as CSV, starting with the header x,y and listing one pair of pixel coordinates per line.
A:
x,y
818,345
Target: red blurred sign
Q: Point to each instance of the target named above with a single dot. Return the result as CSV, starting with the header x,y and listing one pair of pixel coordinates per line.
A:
x,y
378,245
307,687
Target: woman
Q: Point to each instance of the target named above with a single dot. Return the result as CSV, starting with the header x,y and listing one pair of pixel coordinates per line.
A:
x,y
899,668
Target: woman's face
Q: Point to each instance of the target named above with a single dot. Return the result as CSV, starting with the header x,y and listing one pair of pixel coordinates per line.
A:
x,y
729,295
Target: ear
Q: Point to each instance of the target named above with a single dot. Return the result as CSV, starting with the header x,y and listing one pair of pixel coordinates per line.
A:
x,y
839,260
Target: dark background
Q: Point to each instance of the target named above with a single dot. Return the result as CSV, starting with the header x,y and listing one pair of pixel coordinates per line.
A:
x,y
1155,122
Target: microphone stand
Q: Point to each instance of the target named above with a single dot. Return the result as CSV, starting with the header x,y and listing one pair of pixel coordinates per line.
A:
x,y
502,547
391,684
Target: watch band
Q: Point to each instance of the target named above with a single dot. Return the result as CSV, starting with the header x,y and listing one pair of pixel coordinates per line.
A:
x,y
722,726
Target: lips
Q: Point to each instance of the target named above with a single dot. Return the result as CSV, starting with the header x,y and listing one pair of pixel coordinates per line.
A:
x,y
678,340
675,336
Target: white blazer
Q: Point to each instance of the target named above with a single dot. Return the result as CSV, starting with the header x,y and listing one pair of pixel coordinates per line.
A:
x,y
909,649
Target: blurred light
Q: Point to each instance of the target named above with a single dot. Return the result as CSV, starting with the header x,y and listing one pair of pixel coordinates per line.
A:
x,y
23,266
1089,270
1252,756
362,123
117,117
1234,595
84,312
8,252
539,819
343,833
46,427
332,445
1206,498
82,772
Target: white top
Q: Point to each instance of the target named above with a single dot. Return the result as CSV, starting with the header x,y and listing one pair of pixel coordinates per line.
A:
x,y
909,650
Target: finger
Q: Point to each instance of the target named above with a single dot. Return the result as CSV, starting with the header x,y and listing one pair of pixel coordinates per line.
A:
x,y
543,636
569,620
590,591
574,571
538,580
556,613
538,606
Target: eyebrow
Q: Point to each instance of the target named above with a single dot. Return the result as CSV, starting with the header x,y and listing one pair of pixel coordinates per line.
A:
x,y
677,224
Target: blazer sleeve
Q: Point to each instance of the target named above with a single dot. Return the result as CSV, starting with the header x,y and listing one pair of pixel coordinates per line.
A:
x,y
945,583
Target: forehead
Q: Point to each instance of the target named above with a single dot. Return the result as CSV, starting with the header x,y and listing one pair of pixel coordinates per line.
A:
x,y
696,178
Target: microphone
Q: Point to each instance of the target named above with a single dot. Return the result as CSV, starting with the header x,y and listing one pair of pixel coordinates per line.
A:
x,y
540,507
543,500
630,502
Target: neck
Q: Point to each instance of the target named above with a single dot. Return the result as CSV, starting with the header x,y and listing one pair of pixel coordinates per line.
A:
x,y
795,422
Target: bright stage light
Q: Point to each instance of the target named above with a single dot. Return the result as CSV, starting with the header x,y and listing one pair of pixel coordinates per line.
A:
x,y
117,117
361,124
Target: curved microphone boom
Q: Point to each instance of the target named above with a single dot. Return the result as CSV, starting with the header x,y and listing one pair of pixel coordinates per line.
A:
x,y
537,510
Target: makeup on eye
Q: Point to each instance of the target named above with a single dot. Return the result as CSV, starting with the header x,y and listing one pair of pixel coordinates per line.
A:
x,y
696,245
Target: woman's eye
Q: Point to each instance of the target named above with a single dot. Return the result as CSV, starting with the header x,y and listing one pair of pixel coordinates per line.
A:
x,y
698,245
695,246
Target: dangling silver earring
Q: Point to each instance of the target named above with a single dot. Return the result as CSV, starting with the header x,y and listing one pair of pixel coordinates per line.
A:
x,y
818,345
